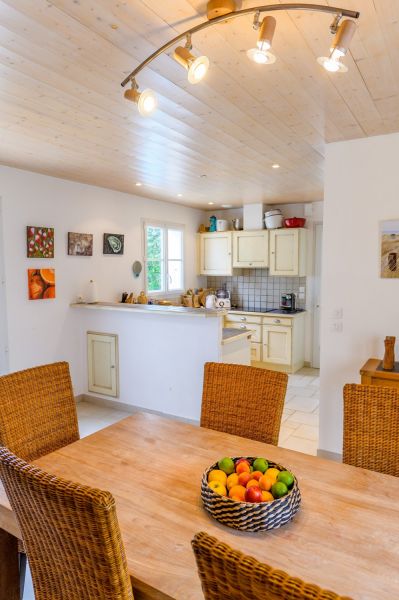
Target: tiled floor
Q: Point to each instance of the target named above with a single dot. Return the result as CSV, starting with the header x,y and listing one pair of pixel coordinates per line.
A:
x,y
299,429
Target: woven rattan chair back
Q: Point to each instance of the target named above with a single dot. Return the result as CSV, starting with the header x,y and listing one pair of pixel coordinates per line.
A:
x,y
243,400
228,573
371,428
71,534
37,411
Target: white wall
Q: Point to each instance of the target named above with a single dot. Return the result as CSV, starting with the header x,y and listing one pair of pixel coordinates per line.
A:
x,y
3,306
42,331
361,189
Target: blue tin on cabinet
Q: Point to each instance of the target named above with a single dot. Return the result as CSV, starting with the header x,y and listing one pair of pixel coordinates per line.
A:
x,y
212,223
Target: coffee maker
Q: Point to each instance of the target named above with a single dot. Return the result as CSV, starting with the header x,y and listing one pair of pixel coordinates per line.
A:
x,y
288,302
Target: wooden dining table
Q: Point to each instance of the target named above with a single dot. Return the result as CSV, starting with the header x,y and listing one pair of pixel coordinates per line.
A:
x,y
345,536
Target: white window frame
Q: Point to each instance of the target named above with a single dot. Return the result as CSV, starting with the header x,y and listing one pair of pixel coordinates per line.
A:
x,y
165,226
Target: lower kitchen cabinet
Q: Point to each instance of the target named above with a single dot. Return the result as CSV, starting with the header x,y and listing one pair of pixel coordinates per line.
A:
x,y
277,342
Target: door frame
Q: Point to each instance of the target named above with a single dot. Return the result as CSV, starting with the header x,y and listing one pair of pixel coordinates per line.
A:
x,y
316,296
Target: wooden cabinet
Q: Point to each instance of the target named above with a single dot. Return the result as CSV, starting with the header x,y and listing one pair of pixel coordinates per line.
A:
x,y
251,249
288,252
102,354
215,253
277,342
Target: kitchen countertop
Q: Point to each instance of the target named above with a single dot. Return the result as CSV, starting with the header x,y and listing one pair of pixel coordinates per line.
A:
x,y
268,314
152,309
231,334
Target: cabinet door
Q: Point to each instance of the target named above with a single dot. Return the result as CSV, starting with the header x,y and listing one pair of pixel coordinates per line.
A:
x,y
288,252
277,344
251,249
215,253
102,353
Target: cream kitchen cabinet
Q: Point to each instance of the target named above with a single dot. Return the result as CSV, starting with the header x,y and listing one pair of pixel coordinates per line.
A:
x,y
215,253
288,252
277,342
251,249
102,357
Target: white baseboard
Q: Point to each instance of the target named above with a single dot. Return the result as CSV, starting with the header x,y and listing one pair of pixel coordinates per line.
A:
x,y
335,456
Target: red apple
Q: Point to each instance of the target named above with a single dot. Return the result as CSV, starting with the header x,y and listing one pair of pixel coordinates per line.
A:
x,y
253,494
240,460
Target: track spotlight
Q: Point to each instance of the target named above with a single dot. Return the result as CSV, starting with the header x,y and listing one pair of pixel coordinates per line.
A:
x,y
339,48
197,67
260,54
146,100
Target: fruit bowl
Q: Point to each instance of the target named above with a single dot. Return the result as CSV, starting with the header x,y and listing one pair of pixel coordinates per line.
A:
x,y
295,222
250,516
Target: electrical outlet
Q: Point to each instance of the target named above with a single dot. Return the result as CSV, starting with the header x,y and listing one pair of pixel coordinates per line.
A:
x,y
337,327
338,313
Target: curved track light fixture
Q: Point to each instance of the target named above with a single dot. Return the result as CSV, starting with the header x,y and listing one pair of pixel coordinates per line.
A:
x,y
221,11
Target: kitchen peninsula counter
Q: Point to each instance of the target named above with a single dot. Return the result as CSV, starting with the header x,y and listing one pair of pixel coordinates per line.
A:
x,y
160,352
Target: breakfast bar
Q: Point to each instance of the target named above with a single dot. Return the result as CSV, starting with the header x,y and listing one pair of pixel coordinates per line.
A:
x,y
173,340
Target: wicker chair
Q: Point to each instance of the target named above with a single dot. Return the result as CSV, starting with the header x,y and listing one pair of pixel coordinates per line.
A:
x,y
244,401
371,428
227,573
37,416
71,534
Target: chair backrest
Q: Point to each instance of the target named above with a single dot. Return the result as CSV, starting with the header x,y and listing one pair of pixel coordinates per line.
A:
x,y
242,400
371,428
228,573
70,532
37,411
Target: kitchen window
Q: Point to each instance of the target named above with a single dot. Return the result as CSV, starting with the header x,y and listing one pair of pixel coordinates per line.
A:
x,y
163,256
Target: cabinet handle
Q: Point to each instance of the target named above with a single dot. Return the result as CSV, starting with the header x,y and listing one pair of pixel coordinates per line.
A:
x,y
242,326
112,366
277,321
243,318
250,264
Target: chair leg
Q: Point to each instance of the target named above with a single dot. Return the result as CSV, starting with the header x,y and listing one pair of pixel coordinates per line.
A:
x,y
22,573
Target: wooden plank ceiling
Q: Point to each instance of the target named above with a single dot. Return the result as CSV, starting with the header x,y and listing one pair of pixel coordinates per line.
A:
x,y
62,110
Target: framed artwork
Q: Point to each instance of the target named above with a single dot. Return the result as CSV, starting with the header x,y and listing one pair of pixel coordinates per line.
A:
x,y
390,249
113,243
41,284
40,242
80,244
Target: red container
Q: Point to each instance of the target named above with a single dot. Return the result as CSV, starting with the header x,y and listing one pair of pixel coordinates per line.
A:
x,y
295,222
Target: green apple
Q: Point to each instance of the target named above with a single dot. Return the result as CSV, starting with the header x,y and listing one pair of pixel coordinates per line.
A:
x,y
226,464
279,489
287,478
260,464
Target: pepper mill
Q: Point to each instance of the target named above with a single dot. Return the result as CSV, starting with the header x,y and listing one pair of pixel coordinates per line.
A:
x,y
388,362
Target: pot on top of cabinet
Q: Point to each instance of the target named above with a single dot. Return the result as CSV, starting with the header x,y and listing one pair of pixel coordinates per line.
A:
x,y
273,219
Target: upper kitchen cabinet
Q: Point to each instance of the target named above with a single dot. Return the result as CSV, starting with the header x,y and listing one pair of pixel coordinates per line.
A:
x,y
251,249
215,253
288,252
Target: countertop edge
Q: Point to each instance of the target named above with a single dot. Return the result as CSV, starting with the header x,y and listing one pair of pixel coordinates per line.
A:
x,y
153,309
237,336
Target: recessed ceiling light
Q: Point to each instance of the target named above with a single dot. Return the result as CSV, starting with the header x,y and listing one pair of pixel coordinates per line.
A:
x,y
227,206
138,184
179,195
210,203
275,166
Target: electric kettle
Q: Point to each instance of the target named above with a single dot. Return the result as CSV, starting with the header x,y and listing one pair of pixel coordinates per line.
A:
x,y
210,301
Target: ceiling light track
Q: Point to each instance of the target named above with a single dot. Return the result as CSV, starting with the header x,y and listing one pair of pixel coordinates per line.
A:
x,y
224,9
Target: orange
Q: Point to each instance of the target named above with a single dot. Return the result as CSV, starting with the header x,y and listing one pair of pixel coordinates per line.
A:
x,y
242,467
265,483
272,474
243,478
252,482
218,487
237,491
217,475
256,475
50,292
267,497
48,275
232,480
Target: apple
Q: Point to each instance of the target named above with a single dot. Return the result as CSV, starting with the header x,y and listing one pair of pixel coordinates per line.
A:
x,y
218,487
253,494
261,464
240,460
226,464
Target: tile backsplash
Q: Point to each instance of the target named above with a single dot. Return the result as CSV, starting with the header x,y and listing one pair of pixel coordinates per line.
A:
x,y
255,290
